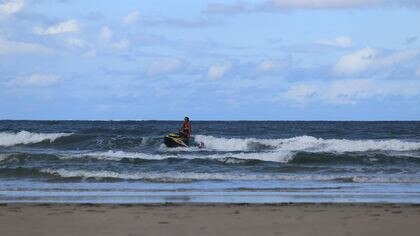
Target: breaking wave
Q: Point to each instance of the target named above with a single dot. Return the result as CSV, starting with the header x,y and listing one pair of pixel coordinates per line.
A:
x,y
305,143
24,137
119,155
175,176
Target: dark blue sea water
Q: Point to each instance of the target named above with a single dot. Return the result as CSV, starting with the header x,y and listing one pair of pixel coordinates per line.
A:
x,y
125,161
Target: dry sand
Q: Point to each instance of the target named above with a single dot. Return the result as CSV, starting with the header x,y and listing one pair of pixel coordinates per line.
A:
x,y
210,219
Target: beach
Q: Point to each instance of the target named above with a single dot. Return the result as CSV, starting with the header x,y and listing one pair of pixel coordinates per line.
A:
x,y
210,219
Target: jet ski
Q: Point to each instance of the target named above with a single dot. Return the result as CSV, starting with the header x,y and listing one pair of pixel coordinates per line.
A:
x,y
175,140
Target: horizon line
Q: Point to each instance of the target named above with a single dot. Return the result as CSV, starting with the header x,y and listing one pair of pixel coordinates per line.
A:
x,y
211,120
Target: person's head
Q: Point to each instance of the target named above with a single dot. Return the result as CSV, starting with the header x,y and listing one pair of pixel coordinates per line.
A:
x,y
186,119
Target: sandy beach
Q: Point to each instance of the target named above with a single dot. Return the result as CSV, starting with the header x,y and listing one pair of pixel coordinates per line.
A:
x,y
210,219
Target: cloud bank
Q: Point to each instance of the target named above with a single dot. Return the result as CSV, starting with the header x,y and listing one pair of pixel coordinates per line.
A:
x,y
368,59
350,91
242,7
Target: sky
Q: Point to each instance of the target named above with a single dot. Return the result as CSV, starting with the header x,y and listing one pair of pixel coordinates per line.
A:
x,y
210,59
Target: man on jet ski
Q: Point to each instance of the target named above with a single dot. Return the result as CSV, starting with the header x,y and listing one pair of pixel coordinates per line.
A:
x,y
186,130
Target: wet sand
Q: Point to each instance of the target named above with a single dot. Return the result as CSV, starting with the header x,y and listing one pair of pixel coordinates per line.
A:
x,y
210,219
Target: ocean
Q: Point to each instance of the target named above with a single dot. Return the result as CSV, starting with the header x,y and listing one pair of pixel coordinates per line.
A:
x,y
242,162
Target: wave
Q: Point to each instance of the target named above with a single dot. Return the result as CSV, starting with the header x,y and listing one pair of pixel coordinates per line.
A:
x,y
174,176
24,137
304,158
118,155
62,174
223,157
305,143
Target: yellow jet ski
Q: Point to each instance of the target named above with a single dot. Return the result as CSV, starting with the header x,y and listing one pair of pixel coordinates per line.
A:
x,y
175,140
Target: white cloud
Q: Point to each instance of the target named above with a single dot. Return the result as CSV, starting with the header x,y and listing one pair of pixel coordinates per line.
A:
x,y
76,42
11,6
217,71
221,8
396,58
351,91
131,18
106,33
121,44
13,47
106,36
356,62
68,26
239,7
270,65
322,4
164,66
371,59
35,80
342,41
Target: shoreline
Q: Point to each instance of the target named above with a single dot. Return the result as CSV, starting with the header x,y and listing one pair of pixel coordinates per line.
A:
x,y
210,219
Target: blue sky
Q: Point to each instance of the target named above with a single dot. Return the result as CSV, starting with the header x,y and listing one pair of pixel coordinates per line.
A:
x,y
210,60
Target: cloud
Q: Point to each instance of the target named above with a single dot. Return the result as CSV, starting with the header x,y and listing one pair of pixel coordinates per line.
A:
x,y
302,93
288,5
89,54
217,71
11,6
68,26
106,33
371,59
271,65
106,36
322,4
356,62
13,47
131,18
122,44
336,4
342,41
350,91
34,80
76,42
180,22
221,8
164,66
396,58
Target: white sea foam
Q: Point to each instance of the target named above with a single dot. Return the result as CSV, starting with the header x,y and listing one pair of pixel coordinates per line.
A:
x,y
3,156
157,176
192,148
118,155
196,176
306,143
25,137
277,156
